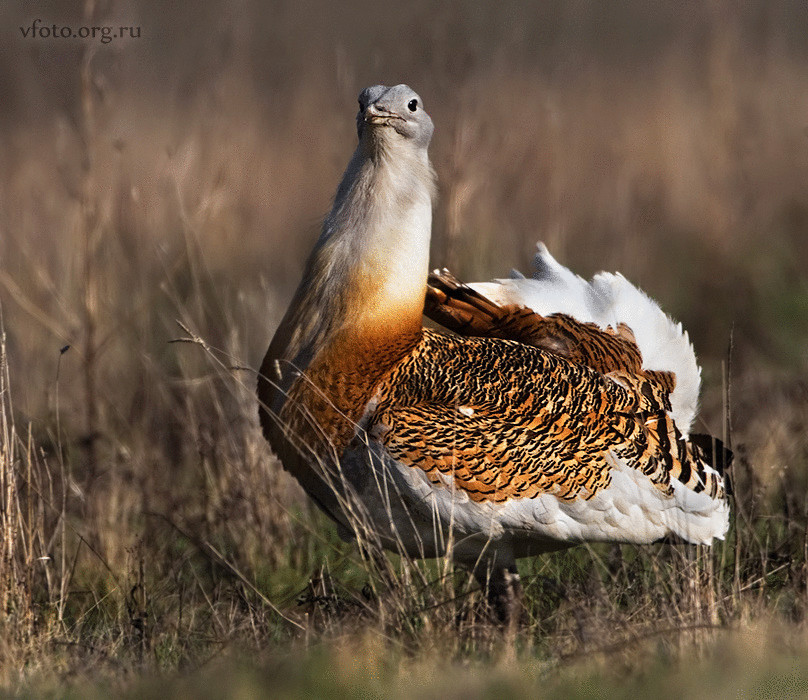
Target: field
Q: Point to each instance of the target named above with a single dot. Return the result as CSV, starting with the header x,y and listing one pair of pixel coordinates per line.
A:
x,y
167,187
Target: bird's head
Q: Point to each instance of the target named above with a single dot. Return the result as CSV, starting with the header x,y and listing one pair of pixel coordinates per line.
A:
x,y
390,114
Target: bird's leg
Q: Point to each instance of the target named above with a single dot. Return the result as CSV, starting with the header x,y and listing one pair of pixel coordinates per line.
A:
x,y
503,592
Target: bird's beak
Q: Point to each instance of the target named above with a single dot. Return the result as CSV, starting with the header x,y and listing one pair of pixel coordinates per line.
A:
x,y
378,115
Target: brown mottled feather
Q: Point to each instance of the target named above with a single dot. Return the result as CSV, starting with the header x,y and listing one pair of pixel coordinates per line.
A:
x,y
533,422
614,353
467,312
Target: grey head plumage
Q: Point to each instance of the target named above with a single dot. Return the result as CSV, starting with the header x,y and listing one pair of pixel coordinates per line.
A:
x,y
399,107
394,132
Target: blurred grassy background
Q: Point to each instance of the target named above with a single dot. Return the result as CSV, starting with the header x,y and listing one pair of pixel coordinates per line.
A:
x,y
184,174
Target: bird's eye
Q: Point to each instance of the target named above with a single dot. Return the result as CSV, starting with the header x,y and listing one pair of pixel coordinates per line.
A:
x,y
412,105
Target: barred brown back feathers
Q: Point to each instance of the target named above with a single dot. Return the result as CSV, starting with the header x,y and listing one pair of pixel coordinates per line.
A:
x,y
661,452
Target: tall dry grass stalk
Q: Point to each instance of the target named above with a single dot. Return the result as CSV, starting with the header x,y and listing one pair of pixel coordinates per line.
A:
x,y
32,575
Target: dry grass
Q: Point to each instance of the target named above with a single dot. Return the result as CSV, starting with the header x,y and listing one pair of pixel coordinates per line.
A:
x,y
146,528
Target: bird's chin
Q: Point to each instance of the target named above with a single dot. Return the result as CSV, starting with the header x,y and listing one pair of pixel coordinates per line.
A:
x,y
381,133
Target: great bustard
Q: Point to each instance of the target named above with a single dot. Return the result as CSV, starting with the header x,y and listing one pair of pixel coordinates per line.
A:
x,y
557,413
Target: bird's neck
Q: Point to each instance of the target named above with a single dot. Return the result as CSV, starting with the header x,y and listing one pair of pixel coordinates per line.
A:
x,y
375,242
367,274
358,309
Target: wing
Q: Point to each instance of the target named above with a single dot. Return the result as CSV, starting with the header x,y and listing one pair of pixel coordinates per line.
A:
x,y
504,420
612,352
608,300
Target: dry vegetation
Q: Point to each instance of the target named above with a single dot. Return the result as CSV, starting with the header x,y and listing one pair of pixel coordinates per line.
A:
x,y
145,528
